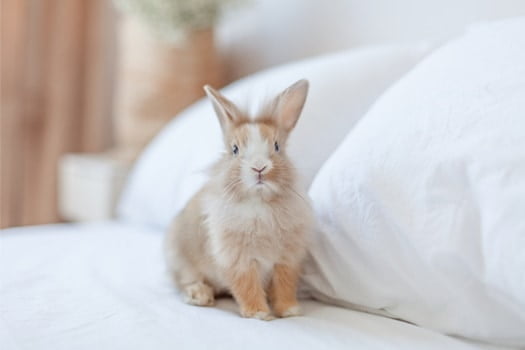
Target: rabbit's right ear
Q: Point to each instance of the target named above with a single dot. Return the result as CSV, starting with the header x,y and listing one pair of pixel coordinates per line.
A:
x,y
226,111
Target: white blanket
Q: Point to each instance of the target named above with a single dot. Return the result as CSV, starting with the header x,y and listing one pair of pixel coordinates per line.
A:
x,y
422,207
103,286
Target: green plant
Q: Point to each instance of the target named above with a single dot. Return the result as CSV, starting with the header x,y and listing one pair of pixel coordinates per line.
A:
x,y
171,19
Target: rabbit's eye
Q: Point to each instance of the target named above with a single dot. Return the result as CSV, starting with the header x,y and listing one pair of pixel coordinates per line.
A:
x,y
276,145
235,149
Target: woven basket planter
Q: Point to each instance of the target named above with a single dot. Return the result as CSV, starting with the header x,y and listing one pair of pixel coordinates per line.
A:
x,y
156,80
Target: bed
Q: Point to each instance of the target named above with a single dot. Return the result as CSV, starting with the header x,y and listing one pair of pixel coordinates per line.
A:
x,y
104,286
418,183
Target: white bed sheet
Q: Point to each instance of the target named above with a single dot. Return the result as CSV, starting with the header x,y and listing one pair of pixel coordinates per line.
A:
x,y
104,286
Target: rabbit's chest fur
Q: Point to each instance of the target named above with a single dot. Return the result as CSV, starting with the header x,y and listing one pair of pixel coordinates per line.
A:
x,y
240,232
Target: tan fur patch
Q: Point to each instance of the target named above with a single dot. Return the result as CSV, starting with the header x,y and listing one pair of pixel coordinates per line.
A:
x,y
268,132
267,120
282,291
240,135
247,289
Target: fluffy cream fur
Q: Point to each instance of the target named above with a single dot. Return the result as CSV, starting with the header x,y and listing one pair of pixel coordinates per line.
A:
x,y
245,232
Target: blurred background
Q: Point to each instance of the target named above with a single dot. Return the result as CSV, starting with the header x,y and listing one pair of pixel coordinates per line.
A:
x,y
86,84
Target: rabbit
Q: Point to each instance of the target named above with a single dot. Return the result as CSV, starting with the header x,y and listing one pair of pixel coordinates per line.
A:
x,y
246,232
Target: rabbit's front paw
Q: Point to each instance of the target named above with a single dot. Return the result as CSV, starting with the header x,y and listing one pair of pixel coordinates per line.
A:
x,y
291,311
199,294
264,315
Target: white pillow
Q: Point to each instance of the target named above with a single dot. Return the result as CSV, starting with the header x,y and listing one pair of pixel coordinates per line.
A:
x,y
342,87
422,207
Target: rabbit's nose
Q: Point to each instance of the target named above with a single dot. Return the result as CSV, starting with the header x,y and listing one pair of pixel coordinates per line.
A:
x,y
259,170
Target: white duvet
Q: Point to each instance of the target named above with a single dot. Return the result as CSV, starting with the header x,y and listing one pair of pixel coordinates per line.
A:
x,y
103,286
422,207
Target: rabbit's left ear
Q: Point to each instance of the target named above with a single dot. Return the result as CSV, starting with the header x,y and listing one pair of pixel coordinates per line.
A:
x,y
289,104
226,111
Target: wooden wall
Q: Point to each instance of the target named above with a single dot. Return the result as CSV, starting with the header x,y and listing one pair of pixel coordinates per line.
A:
x,y
57,62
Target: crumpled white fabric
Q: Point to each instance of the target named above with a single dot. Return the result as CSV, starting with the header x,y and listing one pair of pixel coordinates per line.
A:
x,y
104,286
422,207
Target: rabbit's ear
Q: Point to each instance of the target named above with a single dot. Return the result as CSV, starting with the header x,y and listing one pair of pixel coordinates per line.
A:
x,y
289,104
226,111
